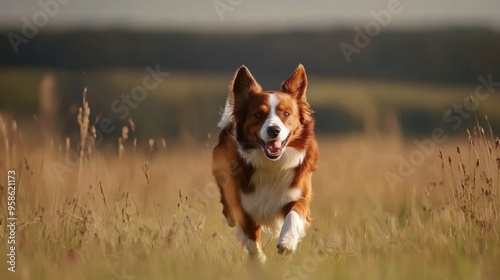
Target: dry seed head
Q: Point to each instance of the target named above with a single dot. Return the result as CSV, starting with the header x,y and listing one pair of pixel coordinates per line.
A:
x,y
458,149
93,132
3,127
125,131
440,154
151,143
79,116
132,124
83,116
121,148
83,121
87,109
471,140
68,144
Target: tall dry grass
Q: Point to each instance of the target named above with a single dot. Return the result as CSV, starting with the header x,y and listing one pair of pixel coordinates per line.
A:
x,y
148,211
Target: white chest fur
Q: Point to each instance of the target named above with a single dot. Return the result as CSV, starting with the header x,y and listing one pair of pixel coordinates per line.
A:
x,y
272,192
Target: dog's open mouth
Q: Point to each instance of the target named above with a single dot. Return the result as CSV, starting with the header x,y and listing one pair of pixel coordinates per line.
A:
x,y
273,148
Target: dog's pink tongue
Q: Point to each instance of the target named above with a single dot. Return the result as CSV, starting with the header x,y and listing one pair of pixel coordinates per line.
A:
x,y
273,146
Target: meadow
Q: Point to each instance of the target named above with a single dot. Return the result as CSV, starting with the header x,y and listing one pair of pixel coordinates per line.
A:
x,y
149,209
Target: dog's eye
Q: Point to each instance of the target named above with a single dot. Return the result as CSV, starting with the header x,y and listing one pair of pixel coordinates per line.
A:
x,y
258,115
286,114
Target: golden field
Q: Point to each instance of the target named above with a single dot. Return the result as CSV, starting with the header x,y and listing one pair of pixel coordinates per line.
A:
x,y
385,206
155,214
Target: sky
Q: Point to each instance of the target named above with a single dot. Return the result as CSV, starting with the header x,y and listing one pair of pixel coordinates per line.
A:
x,y
254,15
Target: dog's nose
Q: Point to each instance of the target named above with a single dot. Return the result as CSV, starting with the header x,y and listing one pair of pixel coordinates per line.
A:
x,y
273,131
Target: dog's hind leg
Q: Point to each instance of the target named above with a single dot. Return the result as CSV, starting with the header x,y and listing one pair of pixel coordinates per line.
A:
x,y
228,197
226,171
227,186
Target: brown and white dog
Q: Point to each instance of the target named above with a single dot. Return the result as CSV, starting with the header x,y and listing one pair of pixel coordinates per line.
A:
x,y
264,161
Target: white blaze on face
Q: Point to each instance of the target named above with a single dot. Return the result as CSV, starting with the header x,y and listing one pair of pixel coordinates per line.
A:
x,y
273,120
273,143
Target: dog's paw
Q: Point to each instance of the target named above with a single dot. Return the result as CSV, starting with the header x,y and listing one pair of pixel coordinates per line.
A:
x,y
287,246
292,232
258,257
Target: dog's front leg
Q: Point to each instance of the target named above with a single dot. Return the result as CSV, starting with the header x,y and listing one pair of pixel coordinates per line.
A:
x,y
294,228
249,235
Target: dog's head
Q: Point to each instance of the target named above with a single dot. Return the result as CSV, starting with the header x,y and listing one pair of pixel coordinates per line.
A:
x,y
271,120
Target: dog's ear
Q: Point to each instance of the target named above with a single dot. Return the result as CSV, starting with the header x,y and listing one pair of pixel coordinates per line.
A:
x,y
244,83
296,85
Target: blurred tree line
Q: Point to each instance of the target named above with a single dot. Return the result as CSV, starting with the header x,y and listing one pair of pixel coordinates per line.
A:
x,y
441,56
454,56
